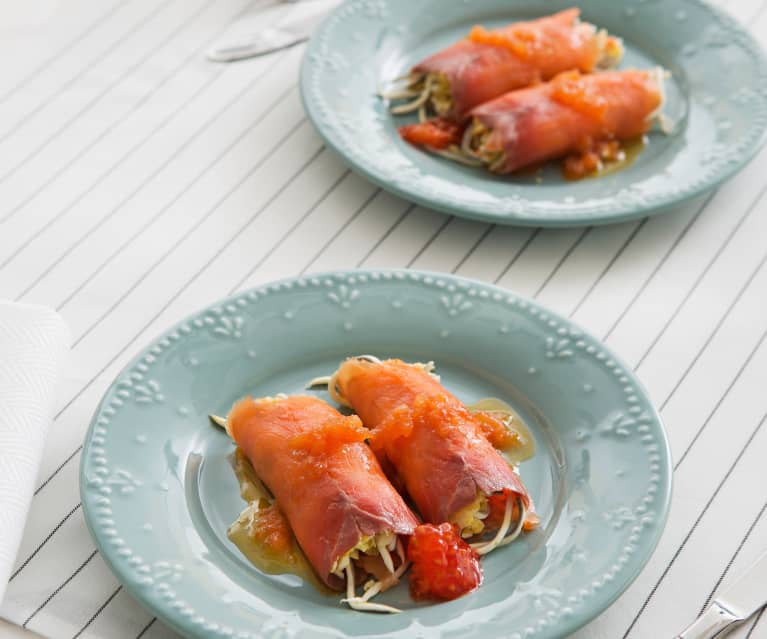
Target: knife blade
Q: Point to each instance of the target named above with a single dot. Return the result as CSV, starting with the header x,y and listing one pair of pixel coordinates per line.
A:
x,y
270,39
736,604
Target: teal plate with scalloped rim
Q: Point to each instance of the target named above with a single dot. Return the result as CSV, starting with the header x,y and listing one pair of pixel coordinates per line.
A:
x,y
716,97
158,491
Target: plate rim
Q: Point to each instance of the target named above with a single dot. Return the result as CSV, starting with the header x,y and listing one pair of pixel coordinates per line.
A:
x,y
582,217
186,627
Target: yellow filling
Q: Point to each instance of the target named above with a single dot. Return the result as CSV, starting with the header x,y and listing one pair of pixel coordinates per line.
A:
x,y
369,545
477,139
470,518
441,96
610,50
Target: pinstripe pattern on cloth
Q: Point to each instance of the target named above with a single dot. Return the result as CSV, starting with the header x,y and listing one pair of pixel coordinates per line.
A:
x,y
139,183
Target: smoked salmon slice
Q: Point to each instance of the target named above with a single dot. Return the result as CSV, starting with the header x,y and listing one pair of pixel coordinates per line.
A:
x,y
434,444
567,115
489,63
327,482
573,116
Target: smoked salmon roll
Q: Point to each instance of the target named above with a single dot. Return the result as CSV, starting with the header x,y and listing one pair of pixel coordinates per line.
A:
x,y
438,449
489,63
343,511
579,117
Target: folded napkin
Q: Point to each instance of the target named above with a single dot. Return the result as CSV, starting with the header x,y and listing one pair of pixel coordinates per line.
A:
x,y
33,343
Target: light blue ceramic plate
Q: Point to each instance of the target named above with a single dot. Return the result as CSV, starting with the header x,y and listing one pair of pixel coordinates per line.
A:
x,y
717,98
158,492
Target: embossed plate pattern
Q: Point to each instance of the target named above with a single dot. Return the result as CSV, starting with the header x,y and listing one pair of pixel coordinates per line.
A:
x,y
717,98
158,492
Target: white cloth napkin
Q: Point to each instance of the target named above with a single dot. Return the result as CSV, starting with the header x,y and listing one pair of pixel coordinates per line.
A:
x,y
33,343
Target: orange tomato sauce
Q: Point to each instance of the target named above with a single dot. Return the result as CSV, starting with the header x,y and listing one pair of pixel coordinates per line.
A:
x,y
444,566
430,411
329,436
569,89
497,504
520,41
592,159
497,433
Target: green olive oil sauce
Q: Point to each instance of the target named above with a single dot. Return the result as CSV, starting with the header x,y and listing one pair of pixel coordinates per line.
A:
x,y
242,532
501,410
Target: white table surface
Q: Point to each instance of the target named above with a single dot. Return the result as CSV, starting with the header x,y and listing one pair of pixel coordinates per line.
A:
x,y
139,182
9,630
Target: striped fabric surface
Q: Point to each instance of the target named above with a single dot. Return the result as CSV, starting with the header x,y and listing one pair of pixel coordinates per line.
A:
x,y
139,182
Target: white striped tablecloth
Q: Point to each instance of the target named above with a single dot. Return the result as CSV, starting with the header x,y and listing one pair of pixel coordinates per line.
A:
x,y
139,182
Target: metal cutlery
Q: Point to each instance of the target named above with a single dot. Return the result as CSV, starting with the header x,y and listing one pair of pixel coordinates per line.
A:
x,y
736,604
288,33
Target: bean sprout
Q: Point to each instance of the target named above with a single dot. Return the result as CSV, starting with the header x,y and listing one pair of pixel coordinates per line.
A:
x,y
373,587
409,107
501,537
